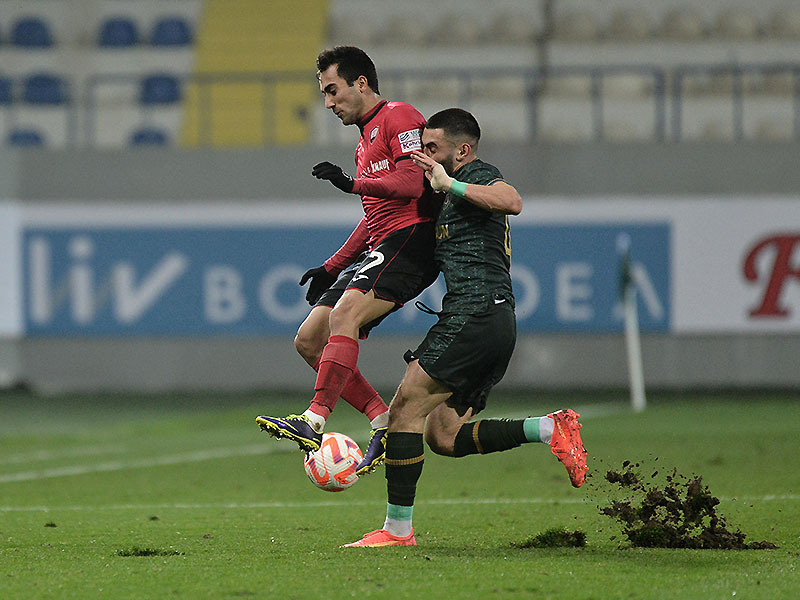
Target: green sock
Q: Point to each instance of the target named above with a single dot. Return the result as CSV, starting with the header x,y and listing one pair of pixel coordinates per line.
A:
x,y
398,520
399,513
530,427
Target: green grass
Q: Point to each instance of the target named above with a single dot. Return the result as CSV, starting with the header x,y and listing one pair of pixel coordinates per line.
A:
x,y
183,497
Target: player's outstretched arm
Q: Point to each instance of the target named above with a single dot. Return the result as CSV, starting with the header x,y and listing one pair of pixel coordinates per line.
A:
x,y
498,197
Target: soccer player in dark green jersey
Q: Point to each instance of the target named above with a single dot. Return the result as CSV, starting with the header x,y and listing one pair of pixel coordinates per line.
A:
x,y
466,352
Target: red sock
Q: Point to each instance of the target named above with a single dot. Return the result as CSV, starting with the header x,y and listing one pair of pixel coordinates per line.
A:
x,y
336,365
360,394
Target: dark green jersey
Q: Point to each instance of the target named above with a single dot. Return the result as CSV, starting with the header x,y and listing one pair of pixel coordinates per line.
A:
x,y
473,247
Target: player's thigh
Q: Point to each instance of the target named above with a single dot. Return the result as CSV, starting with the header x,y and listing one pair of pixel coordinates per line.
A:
x,y
314,331
357,308
417,395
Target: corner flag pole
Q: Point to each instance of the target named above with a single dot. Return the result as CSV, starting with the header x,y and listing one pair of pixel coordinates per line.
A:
x,y
633,345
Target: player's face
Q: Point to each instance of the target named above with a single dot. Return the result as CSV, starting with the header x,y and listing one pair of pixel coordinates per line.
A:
x,y
344,100
439,148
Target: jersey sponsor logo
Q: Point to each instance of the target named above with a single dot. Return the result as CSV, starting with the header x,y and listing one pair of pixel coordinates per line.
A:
x,y
373,134
410,140
381,165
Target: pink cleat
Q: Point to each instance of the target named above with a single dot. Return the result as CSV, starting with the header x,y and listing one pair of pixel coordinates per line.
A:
x,y
568,446
381,537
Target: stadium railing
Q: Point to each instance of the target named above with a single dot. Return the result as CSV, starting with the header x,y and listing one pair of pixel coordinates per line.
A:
x,y
663,98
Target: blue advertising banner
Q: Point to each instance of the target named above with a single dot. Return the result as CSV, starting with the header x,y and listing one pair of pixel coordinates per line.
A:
x,y
242,280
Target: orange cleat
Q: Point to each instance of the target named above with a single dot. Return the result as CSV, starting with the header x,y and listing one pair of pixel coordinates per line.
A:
x,y
568,446
381,537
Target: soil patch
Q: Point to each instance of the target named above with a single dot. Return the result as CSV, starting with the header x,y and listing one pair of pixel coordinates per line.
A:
x,y
555,538
681,513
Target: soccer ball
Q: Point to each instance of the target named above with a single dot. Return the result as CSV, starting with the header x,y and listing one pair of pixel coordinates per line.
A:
x,y
333,467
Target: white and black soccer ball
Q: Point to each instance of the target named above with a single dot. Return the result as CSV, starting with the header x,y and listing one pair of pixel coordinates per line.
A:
x,y
333,467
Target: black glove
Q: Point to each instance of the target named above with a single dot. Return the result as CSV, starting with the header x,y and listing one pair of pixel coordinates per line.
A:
x,y
321,280
334,174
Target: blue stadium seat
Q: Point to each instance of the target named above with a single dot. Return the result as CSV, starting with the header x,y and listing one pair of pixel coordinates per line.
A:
x,y
31,32
148,136
44,88
171,31
5,91
25,138
160,89
118,32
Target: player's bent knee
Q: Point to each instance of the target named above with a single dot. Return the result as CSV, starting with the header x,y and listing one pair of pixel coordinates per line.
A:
x,y
309,344
304,347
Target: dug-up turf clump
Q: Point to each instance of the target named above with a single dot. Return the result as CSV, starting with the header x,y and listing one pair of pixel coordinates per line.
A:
x,y
682,514
555,538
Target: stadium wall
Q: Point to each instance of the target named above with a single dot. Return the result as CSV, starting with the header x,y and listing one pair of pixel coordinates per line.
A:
x,y
87,192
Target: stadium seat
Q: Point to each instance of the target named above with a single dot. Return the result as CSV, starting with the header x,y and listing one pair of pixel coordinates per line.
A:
x,y
682,24
513,28
6,97
785,23
171,31
563,133
716,131
118,32
578,86
774,130
627,86
576,26
344,30
44,88
629,25
160,89
461,30
24,138
736,24
406,31
31,32
779,83
622,131
148,136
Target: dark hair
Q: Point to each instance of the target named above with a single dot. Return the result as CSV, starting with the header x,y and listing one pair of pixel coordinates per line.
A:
x,y
457,123
351,63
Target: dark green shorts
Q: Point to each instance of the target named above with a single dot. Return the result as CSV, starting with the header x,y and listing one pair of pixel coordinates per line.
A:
x,y
469,353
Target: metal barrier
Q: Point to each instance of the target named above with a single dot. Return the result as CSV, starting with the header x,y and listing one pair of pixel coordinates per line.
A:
x,y
737,74
669,96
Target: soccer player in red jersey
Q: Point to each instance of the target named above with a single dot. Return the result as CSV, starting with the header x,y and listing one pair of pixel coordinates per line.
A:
x,y
396,233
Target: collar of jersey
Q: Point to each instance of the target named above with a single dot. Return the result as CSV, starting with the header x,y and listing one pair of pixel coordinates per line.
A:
x,y
369,116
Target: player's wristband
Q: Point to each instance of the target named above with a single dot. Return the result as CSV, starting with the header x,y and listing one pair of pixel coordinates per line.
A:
x,y
458,188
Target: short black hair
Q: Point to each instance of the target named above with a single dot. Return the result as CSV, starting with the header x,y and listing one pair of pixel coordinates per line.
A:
x,y
351,63
457,123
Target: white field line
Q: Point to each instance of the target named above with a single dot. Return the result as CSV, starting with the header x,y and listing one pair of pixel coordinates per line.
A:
x,y
45,455
350,503
157,461
35,456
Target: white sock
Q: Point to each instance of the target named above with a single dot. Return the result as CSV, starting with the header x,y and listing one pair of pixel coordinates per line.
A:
x,y
546,427
382,420
397,528
317,422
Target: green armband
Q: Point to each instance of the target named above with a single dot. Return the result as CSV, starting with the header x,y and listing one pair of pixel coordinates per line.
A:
x,y
458,188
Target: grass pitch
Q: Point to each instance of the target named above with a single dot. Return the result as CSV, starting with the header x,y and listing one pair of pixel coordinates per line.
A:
x,y
183,497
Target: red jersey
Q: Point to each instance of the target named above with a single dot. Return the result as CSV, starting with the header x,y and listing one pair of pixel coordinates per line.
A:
x,y
392,188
